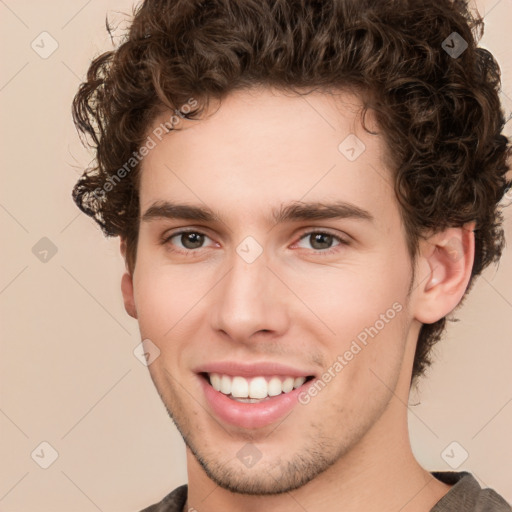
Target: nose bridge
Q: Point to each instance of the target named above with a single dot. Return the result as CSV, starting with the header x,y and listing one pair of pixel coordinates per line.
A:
x,y
246,280
248,295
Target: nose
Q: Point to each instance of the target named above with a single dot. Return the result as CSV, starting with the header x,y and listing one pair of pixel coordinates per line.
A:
x,y
250,301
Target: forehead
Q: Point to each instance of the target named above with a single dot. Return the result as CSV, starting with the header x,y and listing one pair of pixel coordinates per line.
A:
x,y
261,148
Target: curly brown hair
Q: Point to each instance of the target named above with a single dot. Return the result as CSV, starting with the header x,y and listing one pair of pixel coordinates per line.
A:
x,y
439,113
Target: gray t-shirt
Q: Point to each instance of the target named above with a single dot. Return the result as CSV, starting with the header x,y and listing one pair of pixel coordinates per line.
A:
x,y
466,495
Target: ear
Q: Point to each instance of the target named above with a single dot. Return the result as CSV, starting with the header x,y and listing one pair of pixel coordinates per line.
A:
x,y
127,286
444,265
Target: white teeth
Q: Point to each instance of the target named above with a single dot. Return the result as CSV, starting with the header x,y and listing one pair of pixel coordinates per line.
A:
x,y
240,388
297,383
215,381
225,385
258,387
255,389
288,384
274,387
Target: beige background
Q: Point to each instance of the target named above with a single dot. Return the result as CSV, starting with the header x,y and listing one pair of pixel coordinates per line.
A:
x,y
68,373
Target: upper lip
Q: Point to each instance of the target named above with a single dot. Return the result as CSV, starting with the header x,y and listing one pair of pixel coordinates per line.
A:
x,y
265,369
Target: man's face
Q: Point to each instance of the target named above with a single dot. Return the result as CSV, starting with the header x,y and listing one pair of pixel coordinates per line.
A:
x,y
243,296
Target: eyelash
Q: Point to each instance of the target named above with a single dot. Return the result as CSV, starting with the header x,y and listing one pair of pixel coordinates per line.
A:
x,y
342,242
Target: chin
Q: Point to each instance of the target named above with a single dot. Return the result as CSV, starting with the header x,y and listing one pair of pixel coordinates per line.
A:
x,y
252,472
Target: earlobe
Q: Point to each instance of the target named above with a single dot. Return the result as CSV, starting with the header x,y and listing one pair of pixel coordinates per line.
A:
x,y
448,259
127,291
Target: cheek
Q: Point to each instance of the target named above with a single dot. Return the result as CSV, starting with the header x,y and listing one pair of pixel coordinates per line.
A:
x,y
172,302
362,310
351,298
160,300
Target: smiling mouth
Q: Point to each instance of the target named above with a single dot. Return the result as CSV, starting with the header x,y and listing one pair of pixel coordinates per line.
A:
x,y
255,389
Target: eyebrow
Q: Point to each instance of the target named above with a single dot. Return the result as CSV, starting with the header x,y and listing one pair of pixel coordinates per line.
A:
x,y
293,212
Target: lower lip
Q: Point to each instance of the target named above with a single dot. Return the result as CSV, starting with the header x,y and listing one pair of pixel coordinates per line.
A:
x,y
248,415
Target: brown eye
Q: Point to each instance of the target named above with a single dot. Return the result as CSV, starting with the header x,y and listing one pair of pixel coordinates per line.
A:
x,y
192,240
185,241
320,241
